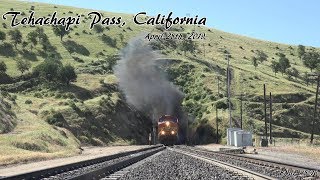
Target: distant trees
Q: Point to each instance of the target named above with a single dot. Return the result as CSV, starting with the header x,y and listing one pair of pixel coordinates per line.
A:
x,y
2,36
54,71
24,44
254,61
306,78
60,31
98,28
311,59
3,67
318,69
32,38
121,37
7,49
292,72
284,64
261,56
16,37
23,65
39,33
44,41
47,69
275,67
187,45
281,65
109,40
301,50
66,74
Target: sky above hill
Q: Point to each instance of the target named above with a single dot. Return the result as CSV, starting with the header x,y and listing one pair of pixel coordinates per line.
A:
x,y
285,21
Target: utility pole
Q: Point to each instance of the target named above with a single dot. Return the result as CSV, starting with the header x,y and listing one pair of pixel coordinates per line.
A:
x,y
228,86
204,50
270,119
241,111
265,111
187,131
154,129
315,110
218,86
217,122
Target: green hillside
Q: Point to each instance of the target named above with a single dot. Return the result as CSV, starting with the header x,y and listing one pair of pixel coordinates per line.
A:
x,y
55,119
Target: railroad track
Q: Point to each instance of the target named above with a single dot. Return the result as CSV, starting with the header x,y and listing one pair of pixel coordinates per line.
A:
x,y
258,168
177,162
91,169
246,174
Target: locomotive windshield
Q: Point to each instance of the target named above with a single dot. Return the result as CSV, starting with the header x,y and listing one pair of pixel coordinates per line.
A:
x,y
168,118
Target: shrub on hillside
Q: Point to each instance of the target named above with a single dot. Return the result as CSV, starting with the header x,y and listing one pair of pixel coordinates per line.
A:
x,y
79,60
28,101
38,95
3,36
47,69
3,67
23,65
66,74
109,41
54,71
98,28
7,50
222,105
74,47
57,119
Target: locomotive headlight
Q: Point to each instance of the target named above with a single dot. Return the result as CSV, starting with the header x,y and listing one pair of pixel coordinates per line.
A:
x,y
167,123
162,132
172,132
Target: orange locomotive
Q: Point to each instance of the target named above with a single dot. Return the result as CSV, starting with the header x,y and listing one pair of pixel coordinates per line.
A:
x,y
168,130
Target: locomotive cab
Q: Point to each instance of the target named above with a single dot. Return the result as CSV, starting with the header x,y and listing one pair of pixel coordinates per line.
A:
x,y
168,130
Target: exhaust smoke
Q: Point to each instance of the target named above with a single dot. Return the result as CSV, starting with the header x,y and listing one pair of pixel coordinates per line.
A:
x,y
144,85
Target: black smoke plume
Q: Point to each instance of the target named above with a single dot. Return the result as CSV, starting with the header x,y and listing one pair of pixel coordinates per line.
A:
x,y
145,86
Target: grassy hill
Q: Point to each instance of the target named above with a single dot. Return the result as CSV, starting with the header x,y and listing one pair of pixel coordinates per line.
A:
x,y
55,119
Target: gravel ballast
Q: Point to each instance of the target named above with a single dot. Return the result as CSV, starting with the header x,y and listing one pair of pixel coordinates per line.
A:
x,y
173,165
276,171
84,170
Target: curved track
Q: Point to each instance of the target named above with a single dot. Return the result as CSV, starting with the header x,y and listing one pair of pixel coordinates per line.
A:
x,y
91,169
